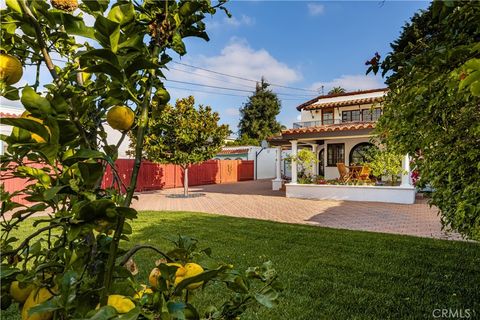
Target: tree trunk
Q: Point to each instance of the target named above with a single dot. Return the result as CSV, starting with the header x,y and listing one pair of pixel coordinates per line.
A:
x,y
185,181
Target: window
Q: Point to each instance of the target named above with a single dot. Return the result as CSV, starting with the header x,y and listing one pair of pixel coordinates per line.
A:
x,y
371,115
335,154
327,116
351,116
360,153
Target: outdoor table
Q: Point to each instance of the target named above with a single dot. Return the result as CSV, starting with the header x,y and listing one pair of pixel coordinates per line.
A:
x,y
355,170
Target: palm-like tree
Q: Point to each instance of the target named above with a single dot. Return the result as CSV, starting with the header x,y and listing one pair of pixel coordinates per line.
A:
x,y
337,90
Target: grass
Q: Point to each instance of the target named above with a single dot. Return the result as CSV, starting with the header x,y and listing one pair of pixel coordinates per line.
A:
x,y
328,273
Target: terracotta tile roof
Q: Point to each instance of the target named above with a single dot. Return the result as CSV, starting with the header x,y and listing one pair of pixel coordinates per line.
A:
x,y
332,127
8,115
234,151
309,102
343,103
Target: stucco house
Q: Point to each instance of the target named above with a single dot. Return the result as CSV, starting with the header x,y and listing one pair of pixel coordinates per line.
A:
x,y
338,128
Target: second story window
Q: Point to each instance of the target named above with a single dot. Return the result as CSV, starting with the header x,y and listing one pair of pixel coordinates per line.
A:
x,y
327,116
371,115
351,116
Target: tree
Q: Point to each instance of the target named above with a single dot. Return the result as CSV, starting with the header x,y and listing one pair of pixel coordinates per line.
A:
x,y
337,90
432,108
385,163
71,261
306,160
258,115
243,140
184,135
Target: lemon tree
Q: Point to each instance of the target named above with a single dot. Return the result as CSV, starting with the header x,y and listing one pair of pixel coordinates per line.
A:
x,y
71,264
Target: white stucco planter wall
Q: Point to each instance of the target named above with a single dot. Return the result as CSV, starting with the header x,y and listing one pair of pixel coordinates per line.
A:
x,y
404,195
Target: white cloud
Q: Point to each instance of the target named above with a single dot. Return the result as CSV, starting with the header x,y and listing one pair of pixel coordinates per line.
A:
x,y
234,22
350,82
239,59
315,9
244,20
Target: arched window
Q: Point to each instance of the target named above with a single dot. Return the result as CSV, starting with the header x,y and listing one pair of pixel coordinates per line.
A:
x,y
359,153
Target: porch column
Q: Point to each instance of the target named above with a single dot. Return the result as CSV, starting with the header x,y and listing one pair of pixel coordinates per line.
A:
x,y
294,162
277,183
314,163
406,182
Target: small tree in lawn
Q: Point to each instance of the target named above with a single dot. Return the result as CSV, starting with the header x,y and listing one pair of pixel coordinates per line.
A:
x,y
184,135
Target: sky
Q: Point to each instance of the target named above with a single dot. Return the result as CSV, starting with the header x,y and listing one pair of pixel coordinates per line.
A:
x,y
298,44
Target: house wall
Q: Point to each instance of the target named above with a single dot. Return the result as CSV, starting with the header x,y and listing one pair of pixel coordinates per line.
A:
x,y
316,115
332,172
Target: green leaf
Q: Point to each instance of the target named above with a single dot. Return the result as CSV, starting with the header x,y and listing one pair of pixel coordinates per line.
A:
x,y
48,306
122,13
175,309
84,154
14,5
267,298
105,312
27,124
107,32
49,194
106,68
178,45
105,55
76,26
98,6
34,173
131,315
90,172
475,88
7,271
139,64
127,212
11,93
35,103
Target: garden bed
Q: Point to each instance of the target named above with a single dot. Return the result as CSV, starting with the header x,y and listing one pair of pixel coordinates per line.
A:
x,y
390,194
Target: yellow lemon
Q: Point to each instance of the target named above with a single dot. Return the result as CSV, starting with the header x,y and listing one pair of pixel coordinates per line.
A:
x,y
37,297
10,69
155,273
121,303
120,118
193,270
18,293
139,294
35,136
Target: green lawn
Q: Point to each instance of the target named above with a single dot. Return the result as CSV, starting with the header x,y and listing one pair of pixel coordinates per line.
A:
x,y
328,273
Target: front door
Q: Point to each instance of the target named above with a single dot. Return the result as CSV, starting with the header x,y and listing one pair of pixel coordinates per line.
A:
x,y
321,163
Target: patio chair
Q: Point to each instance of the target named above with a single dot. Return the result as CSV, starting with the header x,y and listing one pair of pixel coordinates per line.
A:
x,y
364,173
345,175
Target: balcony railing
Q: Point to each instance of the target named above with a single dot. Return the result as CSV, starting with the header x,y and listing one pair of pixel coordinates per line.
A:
x,y
318,123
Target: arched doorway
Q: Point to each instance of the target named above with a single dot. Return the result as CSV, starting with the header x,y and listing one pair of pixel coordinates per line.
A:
x,y
360,153
321,163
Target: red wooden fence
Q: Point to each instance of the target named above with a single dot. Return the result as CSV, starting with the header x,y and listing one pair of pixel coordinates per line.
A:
x,y
154,176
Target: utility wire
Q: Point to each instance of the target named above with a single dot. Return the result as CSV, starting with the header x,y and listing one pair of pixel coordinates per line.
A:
x,y
225,88
224,94
241,78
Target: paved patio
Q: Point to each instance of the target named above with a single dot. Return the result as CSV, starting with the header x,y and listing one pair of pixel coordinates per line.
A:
x,y
255,199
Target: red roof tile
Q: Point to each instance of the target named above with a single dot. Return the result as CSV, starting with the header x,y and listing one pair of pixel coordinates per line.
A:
x,y
8,115
309,102
234,151
332,127
353,102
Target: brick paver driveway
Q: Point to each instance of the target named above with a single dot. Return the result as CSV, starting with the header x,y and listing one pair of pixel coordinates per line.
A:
x,y
255,199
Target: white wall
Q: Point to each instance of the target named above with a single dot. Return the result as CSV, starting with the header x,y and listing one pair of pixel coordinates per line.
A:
x,y
332,172
316,115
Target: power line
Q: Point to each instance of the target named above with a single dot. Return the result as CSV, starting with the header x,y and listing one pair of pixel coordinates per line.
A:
x,y
241,78
224,88
222,93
